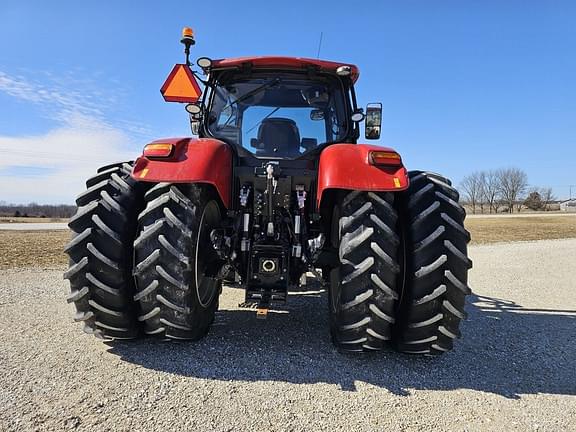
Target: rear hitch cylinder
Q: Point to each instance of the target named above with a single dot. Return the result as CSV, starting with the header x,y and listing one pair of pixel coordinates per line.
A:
x,y
246,223
301,198
245,242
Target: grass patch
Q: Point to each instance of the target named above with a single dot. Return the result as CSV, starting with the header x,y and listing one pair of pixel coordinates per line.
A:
x,y
19,249
507,229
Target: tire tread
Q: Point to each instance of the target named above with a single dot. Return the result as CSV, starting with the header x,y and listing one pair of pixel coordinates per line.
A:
x,y
437,265
100,252
368,251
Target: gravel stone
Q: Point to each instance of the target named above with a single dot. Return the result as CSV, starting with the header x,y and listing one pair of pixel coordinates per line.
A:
x,y
513,370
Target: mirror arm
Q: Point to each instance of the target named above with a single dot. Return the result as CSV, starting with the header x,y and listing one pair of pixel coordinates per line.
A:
x,y
197,121
356,127
206,83
354,101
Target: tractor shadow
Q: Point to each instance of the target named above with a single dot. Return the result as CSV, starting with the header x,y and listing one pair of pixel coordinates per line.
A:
x,y
506,349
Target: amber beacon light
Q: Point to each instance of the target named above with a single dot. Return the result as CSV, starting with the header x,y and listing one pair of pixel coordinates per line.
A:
x,y
188,41
187,33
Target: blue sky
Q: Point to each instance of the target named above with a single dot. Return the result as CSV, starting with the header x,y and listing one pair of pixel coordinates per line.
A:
x,y
465,85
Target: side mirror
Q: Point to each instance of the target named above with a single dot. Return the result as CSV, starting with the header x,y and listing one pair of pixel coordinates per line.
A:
x,y
373,123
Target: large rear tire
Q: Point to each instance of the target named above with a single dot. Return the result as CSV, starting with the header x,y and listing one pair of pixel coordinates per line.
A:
x,y
363,288
174,261
100,252
437,266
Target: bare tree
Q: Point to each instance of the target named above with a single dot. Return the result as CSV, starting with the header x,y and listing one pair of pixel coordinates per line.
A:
x,y
512,183
490,189
37,210
481,185
471,185
547,197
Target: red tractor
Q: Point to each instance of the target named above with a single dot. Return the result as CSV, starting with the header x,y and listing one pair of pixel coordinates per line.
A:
x,y
275,189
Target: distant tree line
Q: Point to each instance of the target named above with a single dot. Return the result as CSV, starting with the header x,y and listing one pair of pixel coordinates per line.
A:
x,y
36,210
503,189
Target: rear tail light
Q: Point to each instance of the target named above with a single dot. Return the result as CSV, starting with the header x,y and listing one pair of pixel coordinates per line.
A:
x,y
158,150
385,158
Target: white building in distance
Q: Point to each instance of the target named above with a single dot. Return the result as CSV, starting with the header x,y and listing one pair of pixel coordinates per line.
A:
x,y
568,205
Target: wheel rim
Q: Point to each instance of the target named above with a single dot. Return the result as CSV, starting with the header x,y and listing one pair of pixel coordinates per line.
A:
x,y
206,286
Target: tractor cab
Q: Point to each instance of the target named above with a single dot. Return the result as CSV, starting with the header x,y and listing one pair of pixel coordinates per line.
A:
x,y
278,108
273,107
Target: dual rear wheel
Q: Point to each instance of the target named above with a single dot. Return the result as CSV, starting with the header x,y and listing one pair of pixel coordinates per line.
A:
x,y
402,278
138,258
140,261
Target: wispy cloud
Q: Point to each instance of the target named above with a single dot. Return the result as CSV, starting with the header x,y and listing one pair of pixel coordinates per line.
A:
x,y
69,101
53,166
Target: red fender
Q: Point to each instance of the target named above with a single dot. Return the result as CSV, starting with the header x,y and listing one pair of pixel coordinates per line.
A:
x,y
346,166
202,160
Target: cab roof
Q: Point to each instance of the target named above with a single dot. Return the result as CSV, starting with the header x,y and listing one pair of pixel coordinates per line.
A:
x,y
284,62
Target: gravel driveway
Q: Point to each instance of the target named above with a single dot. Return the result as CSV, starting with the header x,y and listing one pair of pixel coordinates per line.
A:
x,y
514,370
34,226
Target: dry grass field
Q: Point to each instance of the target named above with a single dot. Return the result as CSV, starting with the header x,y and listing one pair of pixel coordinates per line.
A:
x,y
33,249
506,229
20,249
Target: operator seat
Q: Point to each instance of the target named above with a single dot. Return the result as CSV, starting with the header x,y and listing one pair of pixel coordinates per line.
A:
x,y
277,137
